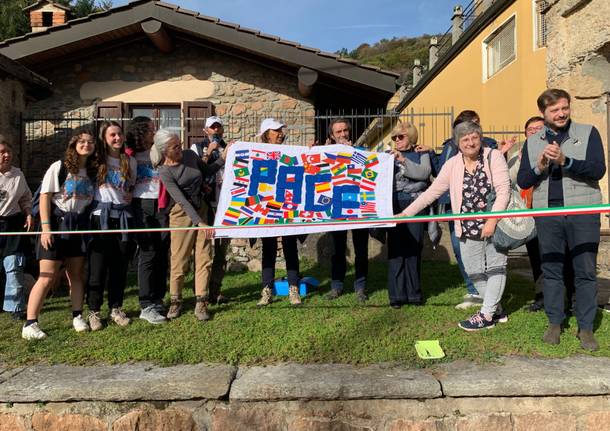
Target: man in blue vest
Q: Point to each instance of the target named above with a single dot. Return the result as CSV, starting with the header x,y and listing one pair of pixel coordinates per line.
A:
x,y
564,163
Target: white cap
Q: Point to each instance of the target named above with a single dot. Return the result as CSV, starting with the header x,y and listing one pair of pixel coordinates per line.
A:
x,y
270,124
211,120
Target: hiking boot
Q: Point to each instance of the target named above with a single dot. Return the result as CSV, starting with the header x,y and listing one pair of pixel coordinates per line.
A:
x,y
79,324
469,301
119,317
293,295
587,340
221,299
333,294
32,332
266,297
175,308
201,310
476,323
552,334
537,305
152,315
95,320
361,296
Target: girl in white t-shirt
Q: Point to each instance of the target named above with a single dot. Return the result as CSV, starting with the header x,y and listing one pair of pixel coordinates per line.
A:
x,y
109,253
153,247
66,194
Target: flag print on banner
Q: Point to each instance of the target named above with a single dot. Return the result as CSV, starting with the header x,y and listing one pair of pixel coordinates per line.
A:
x,y
276,186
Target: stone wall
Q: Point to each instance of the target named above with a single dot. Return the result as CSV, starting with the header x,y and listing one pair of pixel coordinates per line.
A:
x,y
242,92
515,394
12,105
578,60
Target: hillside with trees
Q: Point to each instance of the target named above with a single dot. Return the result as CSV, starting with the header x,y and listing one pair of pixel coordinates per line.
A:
x,y
396,54
14,21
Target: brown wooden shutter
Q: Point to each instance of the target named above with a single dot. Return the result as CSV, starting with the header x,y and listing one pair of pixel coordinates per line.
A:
x,y
194,114
109,111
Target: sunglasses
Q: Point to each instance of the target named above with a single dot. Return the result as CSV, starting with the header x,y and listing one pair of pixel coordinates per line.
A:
x,y
398,137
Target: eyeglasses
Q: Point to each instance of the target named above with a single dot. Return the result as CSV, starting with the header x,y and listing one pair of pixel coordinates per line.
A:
x,y
398,137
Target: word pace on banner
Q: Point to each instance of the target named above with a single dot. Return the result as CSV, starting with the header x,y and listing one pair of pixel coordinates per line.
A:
x,y
278,186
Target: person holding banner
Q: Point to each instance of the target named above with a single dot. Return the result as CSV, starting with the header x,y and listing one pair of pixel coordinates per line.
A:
x,y
109,254
470,176
66,194
339,133
15,215
405,241
564,163
272,132
153,247
182,173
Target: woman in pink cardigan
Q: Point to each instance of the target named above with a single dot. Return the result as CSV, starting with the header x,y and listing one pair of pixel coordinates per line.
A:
x,y
470,176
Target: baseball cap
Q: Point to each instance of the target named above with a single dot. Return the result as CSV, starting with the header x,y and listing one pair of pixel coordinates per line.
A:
x,y
211,120
270,124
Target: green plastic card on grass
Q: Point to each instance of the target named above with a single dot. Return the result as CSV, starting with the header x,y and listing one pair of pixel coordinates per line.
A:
x,y
429,349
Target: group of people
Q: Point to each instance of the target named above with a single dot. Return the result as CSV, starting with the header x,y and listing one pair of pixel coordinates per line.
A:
x,y
145,180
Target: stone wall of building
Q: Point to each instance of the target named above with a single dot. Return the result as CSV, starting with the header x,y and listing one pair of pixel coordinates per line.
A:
x,y
578,60
242,92
12,105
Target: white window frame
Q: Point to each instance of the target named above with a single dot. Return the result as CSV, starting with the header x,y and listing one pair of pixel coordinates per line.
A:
x,y
492,35
535,24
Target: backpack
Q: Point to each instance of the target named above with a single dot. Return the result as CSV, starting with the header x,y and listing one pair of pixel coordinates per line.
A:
x,y
63,174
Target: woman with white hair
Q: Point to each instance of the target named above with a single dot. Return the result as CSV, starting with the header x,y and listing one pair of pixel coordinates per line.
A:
x,y
470,176
182,173
272,132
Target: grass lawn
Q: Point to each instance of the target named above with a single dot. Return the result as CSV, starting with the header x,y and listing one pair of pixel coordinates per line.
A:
x,y
320,331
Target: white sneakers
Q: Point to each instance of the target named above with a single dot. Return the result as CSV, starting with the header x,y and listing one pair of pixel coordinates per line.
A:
x,y
79,324
32,332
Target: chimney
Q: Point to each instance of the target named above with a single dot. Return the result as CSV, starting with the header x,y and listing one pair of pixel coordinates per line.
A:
x,y
417,71
432,52
458,19
45,13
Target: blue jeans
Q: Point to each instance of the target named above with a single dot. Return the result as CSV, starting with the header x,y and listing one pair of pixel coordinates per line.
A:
x,y
14,295
455,244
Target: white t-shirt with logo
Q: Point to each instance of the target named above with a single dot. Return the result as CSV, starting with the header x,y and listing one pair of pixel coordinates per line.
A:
x,y
74,195
116,189
147,180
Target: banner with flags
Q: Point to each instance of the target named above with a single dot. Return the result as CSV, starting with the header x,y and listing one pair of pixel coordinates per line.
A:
x,y
266,184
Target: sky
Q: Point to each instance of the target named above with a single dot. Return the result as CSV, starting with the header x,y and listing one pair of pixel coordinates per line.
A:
x,y
330,24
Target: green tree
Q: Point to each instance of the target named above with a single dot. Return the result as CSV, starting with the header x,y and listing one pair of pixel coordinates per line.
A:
x,y
15,22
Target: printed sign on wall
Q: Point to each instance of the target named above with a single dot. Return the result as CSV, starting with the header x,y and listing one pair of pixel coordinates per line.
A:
x,y
279,185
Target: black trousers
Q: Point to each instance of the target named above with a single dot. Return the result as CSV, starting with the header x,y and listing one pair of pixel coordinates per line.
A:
x,y
405,244
108,258
291,255
360,239
580,233
153,249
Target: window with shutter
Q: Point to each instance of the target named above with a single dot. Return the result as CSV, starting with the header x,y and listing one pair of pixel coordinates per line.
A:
x,y
500,48
109,111
194,115
540,25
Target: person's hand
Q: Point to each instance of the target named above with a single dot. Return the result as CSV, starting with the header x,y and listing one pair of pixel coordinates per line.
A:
x,y
209,233
507,144
542,162
211,147
29,223
400,215
489,228
422,148
223,154
46,240
313,143
397,155
553,153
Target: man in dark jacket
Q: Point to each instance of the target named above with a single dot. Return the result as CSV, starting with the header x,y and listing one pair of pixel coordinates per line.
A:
x,y
564,163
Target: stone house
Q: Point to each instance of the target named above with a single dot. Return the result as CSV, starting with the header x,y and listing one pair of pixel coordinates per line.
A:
x,y
18,87
178,66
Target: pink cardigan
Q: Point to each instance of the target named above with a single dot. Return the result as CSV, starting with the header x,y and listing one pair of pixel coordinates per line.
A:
x,y
451,177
